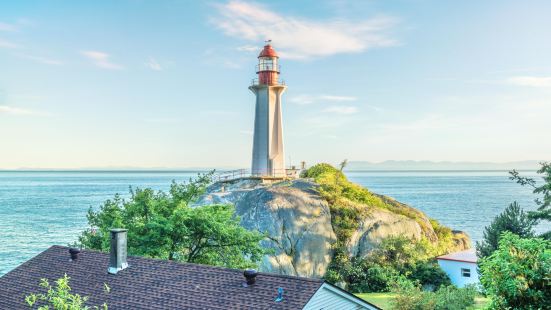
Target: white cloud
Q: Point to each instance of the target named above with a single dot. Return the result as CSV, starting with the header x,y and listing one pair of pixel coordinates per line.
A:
x,y
246,132
300,38
4,109
153,64
248,48
341,109
7,44
533,81
43,60
309,99
101,60
7,27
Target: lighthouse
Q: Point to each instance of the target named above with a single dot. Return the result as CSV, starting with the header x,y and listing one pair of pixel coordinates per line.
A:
x,y
268,156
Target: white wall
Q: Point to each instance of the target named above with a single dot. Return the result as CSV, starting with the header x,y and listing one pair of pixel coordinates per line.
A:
x,y
453,269
329,297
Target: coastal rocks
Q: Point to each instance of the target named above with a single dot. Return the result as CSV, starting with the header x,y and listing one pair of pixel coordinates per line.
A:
x,y
297,223
378,225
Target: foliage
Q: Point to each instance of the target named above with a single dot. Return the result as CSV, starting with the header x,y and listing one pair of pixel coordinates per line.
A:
x,y
517,275
544,202
514,220
59,297
395,257
164,225
410,296
349,204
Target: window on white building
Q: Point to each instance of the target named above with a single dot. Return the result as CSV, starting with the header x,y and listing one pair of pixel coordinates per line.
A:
x,y
465,272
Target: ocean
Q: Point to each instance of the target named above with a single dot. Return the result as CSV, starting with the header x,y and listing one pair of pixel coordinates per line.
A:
x,y
39,209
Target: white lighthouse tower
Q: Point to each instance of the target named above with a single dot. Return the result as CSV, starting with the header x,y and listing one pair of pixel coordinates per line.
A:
x,y
268,157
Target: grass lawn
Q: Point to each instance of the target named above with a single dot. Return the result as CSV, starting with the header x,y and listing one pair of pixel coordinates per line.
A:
x,y
382,300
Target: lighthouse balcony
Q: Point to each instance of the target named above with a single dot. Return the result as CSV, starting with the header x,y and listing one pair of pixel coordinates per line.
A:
x,y
267,81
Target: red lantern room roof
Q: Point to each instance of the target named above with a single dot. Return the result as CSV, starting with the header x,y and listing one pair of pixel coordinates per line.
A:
x,y
268,51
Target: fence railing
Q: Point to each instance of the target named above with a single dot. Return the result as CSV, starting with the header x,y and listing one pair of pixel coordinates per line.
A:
x,y
268,67
245,173
256,81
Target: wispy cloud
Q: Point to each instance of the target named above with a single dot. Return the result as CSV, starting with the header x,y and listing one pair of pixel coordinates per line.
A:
x,y
42,60
309,99
101,59
4,109
532,81
153,64
298,37
246,132
8,44
7,27
341,109
248,48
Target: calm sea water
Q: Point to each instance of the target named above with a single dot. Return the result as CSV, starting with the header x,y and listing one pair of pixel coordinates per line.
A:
x,y
39,209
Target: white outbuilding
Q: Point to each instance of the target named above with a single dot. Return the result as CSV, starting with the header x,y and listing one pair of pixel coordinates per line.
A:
x,y
461,267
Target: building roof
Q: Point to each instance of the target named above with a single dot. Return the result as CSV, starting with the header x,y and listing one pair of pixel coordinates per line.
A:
x,y
268,51
467,256
153,284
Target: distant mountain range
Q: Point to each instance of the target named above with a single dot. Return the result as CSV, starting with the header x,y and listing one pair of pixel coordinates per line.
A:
x,y
441,165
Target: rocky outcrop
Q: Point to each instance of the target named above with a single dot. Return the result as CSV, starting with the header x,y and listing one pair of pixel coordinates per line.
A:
x,y
297,223
378,225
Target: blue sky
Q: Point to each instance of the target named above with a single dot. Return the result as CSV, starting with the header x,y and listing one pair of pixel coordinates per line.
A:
x,y
164,83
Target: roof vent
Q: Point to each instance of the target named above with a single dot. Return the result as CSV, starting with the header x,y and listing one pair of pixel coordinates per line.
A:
x,y
250,275
279,297
117,257
74,253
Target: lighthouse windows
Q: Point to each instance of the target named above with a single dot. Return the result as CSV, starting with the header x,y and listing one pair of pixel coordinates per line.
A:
x,y
267,64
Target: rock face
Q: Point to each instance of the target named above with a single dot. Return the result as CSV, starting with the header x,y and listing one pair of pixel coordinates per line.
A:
x,y
297,221
378,225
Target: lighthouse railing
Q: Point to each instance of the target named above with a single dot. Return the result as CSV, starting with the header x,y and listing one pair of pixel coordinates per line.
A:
x,y
246,173
256,82
268,67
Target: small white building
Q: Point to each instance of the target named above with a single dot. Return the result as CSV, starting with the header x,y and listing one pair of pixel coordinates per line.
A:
x,y
461,267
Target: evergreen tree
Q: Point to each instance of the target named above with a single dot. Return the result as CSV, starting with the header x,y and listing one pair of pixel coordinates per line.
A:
x,y
544,203
514,220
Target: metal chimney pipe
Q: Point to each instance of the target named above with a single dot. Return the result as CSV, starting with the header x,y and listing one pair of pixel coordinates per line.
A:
x,y
117,257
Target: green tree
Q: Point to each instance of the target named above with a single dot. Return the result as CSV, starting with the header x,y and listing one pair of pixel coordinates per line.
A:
x,y
165,225
514,220
517,275
343,164
544,190
59,297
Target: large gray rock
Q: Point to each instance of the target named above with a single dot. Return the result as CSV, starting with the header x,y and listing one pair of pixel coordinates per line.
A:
x,y
297,223
296,220
378,225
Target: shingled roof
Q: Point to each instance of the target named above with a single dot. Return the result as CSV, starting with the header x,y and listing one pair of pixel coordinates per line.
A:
x,y
153,284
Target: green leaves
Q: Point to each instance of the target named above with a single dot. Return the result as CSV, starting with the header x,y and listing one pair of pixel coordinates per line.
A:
x,y
544,201
164,225
514,220
59,297
518,274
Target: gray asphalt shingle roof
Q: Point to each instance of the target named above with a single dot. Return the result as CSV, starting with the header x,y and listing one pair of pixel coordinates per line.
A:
x,y
153,284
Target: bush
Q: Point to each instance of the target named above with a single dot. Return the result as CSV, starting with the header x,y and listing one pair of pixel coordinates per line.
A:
x,y
429,274
452,298
410,296
59,297
395,257
517,274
